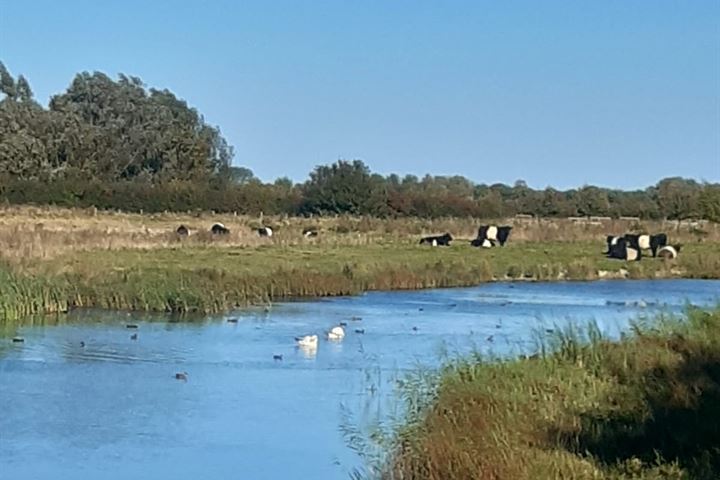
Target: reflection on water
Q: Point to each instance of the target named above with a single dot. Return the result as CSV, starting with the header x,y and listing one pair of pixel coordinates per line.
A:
x,y
82,399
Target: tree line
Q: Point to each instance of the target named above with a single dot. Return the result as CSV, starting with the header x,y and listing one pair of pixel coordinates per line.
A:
x,y
116,144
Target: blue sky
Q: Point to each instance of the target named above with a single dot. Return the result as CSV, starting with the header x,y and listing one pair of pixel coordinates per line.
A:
x,y
615,93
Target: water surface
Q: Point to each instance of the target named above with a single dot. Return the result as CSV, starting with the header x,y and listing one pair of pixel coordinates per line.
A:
x,y
114,410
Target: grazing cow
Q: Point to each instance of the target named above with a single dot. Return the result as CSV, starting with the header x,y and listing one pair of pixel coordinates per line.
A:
x,y
265,231
623,250
668,252
647,242
310,232
182,231
437,240
219,229
491,235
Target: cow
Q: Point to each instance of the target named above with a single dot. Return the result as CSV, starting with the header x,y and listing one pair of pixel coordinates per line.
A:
x,y
493,233
668,252
265,231
647,242
611,240
623,250
437,240
310,232
219,229
182,231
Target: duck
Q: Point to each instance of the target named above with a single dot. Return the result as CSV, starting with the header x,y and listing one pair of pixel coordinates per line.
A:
x,y
181,376
336,333
134,336
307,341
277,357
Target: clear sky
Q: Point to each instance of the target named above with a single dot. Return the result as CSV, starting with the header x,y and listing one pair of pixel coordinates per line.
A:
x,y
614,92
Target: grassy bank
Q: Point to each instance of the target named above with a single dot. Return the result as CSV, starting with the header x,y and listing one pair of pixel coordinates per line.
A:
x,y
54,259
211,279
644,407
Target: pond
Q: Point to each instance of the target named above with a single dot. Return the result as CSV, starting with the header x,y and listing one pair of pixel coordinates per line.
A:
x,y
111,407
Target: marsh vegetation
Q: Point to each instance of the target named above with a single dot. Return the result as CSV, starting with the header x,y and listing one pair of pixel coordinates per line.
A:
x,y
584,407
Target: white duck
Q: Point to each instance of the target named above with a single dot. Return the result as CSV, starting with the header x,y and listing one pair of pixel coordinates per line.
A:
x,y
336,333
307,341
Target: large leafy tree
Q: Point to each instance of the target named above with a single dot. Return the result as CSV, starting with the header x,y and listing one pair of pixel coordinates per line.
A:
x,y
344,187
109,130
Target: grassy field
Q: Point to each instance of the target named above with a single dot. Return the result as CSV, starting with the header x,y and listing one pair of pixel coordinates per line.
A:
x,y
646,407
54,259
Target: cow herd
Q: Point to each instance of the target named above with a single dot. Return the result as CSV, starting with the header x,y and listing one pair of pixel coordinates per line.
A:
x,y
625,247
488,236
628,247
220,229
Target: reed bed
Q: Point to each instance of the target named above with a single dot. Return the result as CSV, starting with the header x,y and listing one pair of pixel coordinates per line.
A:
x,y
645,407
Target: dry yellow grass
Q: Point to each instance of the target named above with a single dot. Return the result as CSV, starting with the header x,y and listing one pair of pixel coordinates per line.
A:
x,y
31,233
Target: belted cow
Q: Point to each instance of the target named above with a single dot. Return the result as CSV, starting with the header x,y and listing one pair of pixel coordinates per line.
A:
x,y
491,235
219,229
623,250
611,240
437,240
182,231
647,242
265,231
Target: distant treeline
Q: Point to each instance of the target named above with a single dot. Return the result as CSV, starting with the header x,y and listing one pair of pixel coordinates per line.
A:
x,y
114,144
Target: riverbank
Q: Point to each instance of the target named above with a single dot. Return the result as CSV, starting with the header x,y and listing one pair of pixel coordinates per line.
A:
x,y
213,279
645,407
54,260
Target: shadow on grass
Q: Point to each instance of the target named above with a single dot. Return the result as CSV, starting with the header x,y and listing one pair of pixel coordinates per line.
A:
x,y
679,420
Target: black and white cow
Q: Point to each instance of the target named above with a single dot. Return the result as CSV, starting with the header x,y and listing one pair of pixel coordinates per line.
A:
x,y
647,242
219,229
623,250
265,231
310,232
182,231
611,241
668,252
493,234
437,240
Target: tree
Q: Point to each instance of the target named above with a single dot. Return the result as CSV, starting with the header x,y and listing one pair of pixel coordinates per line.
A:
x,y
241,175
7,83
23,90
709,202
343,187
678,197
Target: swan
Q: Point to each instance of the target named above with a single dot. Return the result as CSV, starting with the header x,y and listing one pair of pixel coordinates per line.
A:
x,y
336,333
307,341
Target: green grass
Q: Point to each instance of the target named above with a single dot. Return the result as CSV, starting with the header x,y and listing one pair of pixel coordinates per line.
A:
x,y
216,278
645,407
